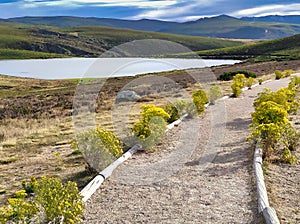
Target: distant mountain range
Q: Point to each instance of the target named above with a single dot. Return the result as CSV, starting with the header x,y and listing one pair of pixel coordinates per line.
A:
x,y
277,19
223,26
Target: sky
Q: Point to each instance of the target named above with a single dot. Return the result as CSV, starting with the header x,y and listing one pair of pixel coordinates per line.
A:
x,y
169,10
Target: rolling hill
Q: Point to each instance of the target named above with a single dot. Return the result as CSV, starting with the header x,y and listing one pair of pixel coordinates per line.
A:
x,y
220,26
293,19
28,41
229,27
283,48
71,21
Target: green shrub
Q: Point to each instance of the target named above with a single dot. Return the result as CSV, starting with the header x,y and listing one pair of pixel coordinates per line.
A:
x,y
99,147
18,210
30,185
268,122
50,202
284,97
238,84
59,200
151,126
294,83
269,112
250,82
288,157
186,107
214,93
179,108
278,74
288,72
200,99
172,110
226,76
271,126
290,138
285,73
260,81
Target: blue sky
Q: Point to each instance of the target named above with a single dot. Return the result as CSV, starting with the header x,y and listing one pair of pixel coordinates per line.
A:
x,y
171,10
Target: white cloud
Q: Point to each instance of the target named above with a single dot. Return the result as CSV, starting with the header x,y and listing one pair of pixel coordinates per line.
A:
x,y
133,3
177,12
101,3
274,9
36,3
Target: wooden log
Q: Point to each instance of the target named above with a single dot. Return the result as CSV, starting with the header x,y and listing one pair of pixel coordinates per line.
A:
x,y
91,188
263,201
270,216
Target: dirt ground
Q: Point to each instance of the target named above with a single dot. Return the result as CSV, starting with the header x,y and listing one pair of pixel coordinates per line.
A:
x,y
202,173
50,153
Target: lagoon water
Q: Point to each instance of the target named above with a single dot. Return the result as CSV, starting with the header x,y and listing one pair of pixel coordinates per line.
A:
x,y
99,67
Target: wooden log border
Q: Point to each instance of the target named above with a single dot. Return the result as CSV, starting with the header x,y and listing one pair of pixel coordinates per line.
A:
x,y
269,213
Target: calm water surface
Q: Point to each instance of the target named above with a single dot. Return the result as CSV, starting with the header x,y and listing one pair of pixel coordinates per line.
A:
x,y
99,67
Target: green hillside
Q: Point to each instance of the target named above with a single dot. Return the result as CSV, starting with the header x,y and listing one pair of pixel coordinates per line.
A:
x,y
28,41
292,19
72,21
220,26
230,27
283,48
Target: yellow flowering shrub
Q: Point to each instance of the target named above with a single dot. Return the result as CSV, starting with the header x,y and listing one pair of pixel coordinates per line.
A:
x,y
238,84
151,125
51,201
200,99
59,200
270,124
99,147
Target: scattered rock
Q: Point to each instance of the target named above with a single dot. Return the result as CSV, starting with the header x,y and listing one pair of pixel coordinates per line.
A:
x,y
127,96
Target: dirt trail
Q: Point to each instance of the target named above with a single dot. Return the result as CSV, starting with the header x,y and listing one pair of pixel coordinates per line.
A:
x,y
202,173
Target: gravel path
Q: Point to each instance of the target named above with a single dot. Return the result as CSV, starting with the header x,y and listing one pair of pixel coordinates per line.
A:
x,y
202,173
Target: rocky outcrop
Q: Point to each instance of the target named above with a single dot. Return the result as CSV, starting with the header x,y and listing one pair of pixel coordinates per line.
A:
x,y
127,96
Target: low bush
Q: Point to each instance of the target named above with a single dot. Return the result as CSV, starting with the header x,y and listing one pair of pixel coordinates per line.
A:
x,y
294,83
270,124
59,201
186,107
99,147
49,201
151,126
226,76
214,93
200,99
250,82
238,84
286,73
172,110
284,97
278,74
288,157
290,138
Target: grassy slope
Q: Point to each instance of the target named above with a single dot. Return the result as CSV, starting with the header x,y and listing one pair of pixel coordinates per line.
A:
x,y
284,48
119,36
229,27
28,41
220,26
71,21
